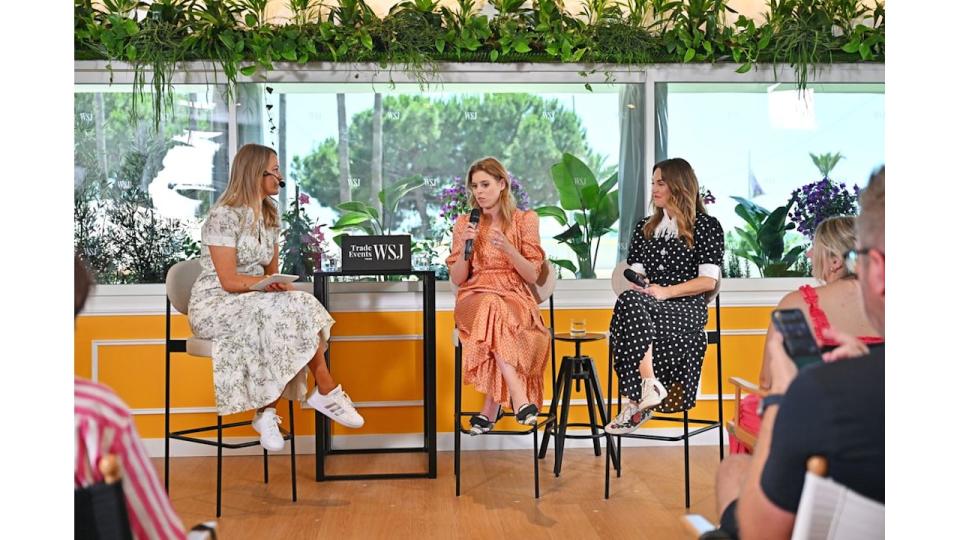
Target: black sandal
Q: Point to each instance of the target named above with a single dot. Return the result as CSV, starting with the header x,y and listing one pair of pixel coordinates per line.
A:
x,y
527,414
480,424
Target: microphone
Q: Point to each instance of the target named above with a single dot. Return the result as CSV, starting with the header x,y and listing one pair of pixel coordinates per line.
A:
x,y
283,184
634,278
468,248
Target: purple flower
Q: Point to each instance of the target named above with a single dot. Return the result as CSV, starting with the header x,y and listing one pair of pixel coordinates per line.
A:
x,y
304,198
820,200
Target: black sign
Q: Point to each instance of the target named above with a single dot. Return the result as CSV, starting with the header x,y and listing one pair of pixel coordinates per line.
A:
x,y
376,252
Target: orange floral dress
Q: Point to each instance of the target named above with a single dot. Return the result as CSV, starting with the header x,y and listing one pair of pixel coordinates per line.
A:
x,y
497,314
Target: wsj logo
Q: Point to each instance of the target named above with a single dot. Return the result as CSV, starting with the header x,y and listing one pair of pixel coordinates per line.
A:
x,y
354,182
432,182
580,181
471,115
394,114
388,252
549,115
378,252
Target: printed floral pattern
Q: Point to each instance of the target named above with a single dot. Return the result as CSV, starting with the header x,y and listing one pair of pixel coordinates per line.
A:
x,y
262,341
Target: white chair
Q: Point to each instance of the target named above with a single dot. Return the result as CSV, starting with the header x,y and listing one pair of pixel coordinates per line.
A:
x,y
543,291
827,510
620,284
179,285
831,510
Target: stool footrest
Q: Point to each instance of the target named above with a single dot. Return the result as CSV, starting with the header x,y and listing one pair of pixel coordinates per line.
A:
x,y
547,420
675,438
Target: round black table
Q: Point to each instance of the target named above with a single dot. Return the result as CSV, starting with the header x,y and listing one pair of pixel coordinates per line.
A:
x,y
576,368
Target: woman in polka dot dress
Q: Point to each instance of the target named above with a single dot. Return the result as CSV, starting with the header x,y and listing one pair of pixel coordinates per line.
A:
x,y
657,330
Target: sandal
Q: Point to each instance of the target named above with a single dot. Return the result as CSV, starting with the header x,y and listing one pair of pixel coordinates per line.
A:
x,y
527,414
480,424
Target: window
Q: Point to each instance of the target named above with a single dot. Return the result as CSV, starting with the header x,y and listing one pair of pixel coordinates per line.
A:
x,y
428,139
139,190
754,140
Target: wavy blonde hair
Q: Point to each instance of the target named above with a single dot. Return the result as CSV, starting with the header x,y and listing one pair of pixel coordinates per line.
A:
x,y
493,167
246,177
684,200
833,238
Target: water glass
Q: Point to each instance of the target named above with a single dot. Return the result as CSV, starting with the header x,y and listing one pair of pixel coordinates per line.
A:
x,y
578,327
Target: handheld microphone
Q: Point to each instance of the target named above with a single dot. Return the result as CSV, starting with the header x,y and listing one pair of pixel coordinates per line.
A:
x,y
468,248
634,278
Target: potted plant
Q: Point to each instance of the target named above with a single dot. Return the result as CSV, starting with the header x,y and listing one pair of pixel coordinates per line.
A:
x,y
594,209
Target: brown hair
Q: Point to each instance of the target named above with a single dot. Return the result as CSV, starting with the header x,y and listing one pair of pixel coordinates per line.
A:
x,y
493,167
82,282
246,177
684,200
834,237
870,224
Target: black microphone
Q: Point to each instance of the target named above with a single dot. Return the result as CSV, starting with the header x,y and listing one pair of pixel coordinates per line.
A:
x,y
283,184
634,278
468,248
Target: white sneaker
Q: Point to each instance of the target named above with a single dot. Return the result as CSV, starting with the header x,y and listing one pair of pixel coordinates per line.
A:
x,y
337,406
630,418
266,423
652,393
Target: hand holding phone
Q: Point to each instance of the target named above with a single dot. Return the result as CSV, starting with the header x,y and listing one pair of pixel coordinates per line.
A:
x,y
797,338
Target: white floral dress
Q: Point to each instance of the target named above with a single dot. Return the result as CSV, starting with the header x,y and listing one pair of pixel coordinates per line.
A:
x,y
262,341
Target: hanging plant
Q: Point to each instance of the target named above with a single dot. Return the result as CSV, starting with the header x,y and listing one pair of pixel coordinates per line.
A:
x,y
237,39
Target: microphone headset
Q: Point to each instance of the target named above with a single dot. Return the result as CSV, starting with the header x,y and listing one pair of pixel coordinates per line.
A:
x,y
277,176
468,248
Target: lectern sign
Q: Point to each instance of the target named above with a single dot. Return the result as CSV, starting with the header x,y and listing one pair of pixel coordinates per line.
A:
x,y
376,252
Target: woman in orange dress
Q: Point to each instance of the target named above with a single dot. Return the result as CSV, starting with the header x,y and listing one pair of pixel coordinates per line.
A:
x,y
505,344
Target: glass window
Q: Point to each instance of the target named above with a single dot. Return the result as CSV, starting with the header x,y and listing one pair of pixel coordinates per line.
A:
x,y
139,190
342,143
755,141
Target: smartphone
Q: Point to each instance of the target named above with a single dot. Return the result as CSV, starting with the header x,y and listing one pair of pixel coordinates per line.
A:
x,y
797,337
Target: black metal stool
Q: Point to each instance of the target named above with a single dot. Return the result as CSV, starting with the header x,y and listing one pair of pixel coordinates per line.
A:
x,y
577,368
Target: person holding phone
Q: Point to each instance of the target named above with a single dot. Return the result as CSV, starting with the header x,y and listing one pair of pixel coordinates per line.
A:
x,y
832,409
263,341
657,327
505,343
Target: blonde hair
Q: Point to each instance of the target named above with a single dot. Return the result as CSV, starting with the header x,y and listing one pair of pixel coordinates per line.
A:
x,y
246,177
684,202
493,167
834,237
870,224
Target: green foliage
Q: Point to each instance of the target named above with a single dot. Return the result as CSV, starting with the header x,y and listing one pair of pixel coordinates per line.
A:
x,y
416,34
430,138
301,242
358,215
825,162
762,242
594,210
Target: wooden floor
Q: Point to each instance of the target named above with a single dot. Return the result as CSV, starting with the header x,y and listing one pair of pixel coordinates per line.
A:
x,y
496,496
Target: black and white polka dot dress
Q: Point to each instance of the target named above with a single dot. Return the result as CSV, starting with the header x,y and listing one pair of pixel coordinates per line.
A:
x,y
674,326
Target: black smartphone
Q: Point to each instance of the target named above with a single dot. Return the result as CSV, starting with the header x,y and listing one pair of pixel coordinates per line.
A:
x,y
797,337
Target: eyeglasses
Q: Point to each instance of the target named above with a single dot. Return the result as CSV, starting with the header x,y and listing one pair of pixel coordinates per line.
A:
x,y
851,257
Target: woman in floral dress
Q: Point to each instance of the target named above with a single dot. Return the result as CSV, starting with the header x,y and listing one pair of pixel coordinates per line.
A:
x,y
263,341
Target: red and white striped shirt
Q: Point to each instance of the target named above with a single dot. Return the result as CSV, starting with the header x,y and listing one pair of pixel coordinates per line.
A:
x,y
104,426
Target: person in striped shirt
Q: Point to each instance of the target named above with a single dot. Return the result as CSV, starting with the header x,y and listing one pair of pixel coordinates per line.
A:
x,y
104,426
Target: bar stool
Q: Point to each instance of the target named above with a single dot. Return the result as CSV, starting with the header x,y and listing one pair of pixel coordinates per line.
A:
x,y
179,285
577,368
542,290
